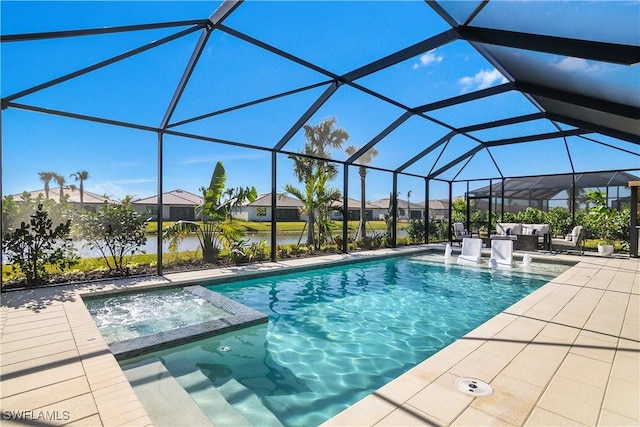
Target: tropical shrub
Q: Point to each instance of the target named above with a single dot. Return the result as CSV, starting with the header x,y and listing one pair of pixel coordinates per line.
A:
x,y
532,216
415,231
116,230
602,218
459,210
559,220
15,212
438,230
36,244
240,252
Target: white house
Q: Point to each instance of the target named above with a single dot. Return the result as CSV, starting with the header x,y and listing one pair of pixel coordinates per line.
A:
x,y
438,209
287,209
91,201
354,210
417,209
176,205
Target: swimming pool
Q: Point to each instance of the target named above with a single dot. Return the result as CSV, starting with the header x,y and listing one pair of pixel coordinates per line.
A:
x,y
337,334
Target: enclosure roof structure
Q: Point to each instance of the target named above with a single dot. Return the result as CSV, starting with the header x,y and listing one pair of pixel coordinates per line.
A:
x,y
547,187
446,90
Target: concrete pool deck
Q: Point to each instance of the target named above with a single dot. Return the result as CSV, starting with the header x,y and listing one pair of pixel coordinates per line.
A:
x,y
568,354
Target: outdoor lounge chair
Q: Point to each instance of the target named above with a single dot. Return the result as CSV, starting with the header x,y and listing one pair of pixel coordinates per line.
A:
x,y
471,250
573,241
459,232
501,252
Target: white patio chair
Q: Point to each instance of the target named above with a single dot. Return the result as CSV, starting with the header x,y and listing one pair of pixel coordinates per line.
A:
x,y
501,252
573,241
471,250
459,232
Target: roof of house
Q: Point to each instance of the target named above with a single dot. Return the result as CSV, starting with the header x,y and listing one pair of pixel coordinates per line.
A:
x,y
174,197
354,204
384,204
282,201
438,204
72,194
433,204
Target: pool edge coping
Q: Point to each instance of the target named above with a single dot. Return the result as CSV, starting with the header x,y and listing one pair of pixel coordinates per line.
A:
x,y
92,355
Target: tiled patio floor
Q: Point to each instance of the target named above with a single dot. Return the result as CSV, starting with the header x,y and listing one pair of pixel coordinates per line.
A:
x,y
568,354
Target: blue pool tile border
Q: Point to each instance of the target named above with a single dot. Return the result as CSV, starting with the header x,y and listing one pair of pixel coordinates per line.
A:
x,y
240,316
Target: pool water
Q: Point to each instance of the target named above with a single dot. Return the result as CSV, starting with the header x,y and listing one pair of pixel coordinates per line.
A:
x,y
337,334
132,315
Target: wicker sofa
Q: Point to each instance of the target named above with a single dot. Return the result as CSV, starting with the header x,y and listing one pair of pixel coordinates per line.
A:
x,y
511,231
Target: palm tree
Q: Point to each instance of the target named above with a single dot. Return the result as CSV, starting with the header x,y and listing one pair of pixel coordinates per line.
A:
x,y
61,181
313,161
409,203
81,176
316,199
365,159
46,177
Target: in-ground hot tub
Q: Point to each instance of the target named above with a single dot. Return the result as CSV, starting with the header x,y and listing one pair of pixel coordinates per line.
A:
x,y
137,322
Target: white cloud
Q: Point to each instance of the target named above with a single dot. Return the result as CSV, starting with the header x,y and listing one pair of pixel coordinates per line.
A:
x,y
427,59
482,80
571,65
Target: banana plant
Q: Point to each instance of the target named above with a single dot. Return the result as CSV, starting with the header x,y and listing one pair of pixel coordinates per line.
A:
x,y
216,228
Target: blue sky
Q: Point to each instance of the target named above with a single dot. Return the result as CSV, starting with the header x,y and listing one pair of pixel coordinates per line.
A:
x,y
337,36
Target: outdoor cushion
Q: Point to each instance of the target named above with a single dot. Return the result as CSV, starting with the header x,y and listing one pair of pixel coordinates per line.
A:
x,y
514,228
576,231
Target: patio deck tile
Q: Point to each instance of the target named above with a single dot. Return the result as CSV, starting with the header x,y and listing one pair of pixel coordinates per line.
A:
x,y
440,400
531,368
622,398
573,355
512,399
595,346
407,416
26,316
367,412
34,342
472,417
10,357
488,329
37,377
47,395
543,418
34,324
90,421
72,409
573,399
585,370
608,418
521,329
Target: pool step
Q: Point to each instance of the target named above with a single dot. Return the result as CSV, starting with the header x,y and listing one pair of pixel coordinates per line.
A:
x,y
165,401
247,403
189,374
211,401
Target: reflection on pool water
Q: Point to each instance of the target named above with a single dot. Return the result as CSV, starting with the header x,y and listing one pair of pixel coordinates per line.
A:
x,y
132,315
337,334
